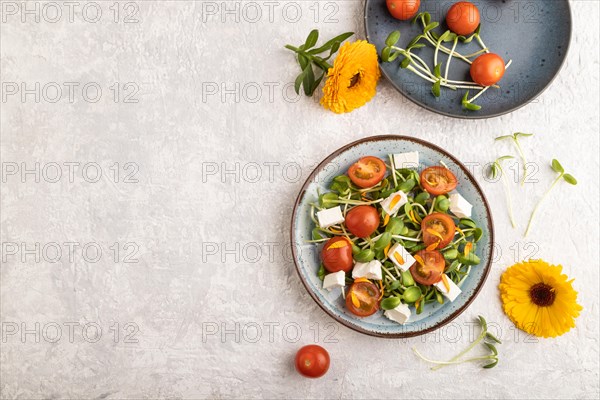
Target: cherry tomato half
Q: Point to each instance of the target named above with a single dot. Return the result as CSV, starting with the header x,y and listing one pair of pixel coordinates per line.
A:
x,y
403,9
367,172
362,221
432,269
443,226
463,18
337,254
487,69
362,298
312,361
438,180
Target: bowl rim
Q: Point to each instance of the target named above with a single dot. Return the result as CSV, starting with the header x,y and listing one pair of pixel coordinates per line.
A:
x,y
569,19
467,173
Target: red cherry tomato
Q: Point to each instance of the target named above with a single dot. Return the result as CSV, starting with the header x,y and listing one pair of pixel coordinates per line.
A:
x,y
431,270
463,18
443,226
438,180
362,221
337,254
362,298
403,9
367,172
312,361
487,69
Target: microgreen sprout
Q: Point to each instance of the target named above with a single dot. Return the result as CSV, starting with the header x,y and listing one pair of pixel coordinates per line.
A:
x,y
570,179
309,57
494,170
419,67
515,138
489,342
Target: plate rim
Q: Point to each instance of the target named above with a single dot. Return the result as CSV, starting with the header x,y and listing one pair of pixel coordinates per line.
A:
x,y
478,189
474,116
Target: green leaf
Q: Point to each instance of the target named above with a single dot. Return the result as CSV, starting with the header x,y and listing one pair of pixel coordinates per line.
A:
x,y
465,97
444,36
383,241
327,200
430,26
390,303
416,46
322,272
504,137
504,158
427,18
557,167
317,83
341,184
329,43
303,61
437,70
365,256
478,234
414,41
312,38
521,134
493,338
435,89
467,222
493,171
385,54
309,80
394,55
298,81
491,365
471,106
435,35
451,37
482,322
471,259
570,179
405,63
393,286
392,38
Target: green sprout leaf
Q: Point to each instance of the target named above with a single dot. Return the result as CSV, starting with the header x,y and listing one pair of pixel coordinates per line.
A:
x,y
557,167
392,38
570,179
437,70
311,40
405,63
435,89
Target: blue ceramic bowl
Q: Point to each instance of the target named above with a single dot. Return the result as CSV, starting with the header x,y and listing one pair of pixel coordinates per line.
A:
x,y
535,34
306,255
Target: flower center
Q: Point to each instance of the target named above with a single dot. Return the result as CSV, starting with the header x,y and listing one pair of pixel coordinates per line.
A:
x,y
355,79
542,295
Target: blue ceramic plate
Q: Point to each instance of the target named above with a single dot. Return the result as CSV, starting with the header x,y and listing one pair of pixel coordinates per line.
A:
x,y
306,255
535,34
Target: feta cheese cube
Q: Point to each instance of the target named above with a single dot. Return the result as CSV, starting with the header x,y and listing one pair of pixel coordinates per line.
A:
x,y
369,270
407,160
330,216
334,280
459,206
453,291
400,314
400,257
393,203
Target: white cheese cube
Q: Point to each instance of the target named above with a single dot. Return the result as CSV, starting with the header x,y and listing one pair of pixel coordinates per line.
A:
x,y
370,270
459,206
451,294
330,216
393,203
407,160
400,314
334,280
400,257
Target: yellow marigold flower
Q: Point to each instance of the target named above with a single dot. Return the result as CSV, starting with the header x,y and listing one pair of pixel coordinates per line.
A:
x,y
539,299
352,81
